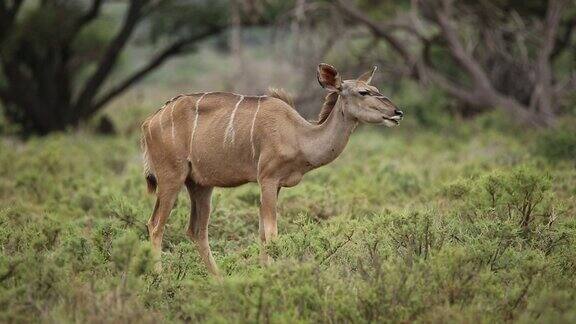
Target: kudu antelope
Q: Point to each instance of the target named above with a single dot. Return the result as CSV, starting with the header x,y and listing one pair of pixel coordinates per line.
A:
x,y
218,139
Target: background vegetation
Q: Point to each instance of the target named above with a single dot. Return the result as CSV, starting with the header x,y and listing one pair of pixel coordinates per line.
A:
x,y
463,213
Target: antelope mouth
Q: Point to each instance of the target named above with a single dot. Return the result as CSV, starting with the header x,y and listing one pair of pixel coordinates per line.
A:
x,y
392,120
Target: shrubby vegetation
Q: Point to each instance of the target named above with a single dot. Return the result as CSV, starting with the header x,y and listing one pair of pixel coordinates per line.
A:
x,y
558,144
470,224
459,215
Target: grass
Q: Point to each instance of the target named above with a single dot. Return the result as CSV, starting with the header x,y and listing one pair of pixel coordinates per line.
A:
x,y
471,224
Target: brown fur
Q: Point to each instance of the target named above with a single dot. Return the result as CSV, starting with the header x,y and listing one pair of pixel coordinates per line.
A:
x,y
329,103
219,139
282,95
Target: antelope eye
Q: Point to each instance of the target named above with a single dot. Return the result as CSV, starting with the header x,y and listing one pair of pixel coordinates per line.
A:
x,y
363,92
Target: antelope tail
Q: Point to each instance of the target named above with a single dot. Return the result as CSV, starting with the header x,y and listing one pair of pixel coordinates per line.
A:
x,y
150,177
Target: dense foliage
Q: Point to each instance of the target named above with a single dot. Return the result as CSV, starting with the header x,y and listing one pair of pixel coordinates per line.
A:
x,y
474,224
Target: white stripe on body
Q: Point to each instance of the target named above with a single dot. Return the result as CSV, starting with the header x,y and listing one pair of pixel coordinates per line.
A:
x,y
195,125
252,128
230,131
150,127
166,104
161,123
172,122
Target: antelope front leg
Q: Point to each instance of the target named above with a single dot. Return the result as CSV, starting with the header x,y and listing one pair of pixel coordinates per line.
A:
x,y
268,225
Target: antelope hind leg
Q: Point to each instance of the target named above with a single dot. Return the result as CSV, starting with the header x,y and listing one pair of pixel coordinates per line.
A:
x,y
200,198
165,201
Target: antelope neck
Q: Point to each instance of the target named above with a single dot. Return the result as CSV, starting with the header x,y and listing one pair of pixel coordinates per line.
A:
x,y
323,143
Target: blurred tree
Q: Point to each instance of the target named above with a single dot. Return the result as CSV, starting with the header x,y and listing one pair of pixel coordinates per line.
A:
x,y
57,55
511,54
236,37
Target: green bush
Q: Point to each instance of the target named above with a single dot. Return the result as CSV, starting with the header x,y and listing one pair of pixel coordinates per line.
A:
x,y
403,227
518,195
558,144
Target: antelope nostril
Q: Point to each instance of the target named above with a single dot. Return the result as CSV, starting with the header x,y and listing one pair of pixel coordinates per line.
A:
x,y
398,112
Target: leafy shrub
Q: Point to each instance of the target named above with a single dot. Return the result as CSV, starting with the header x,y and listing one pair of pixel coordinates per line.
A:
x,y
416,229
558,144
518,195
526,191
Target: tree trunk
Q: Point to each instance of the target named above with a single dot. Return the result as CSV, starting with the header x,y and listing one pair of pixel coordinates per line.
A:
x,y
236,41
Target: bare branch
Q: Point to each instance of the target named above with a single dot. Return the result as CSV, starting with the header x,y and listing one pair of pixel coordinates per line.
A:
x,y
108,60
8,15
451,87
564,40
459,53
543,95
377,29
173,49
551,24
421,69
90,15
566,85
483,91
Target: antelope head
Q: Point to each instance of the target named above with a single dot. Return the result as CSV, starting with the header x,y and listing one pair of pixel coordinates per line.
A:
x,y
361,101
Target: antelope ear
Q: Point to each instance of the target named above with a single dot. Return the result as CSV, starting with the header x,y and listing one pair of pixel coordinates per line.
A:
x,y
367,77
328,77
